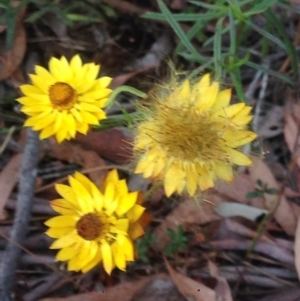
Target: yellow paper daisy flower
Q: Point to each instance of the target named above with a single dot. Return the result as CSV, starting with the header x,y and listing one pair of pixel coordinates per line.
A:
x,y
189,136
96,225
66,99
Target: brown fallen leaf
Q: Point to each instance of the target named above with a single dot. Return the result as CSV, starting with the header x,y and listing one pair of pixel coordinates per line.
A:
x,y
73,153
297,248
8,179
111,144
222,288
188,212
12,58
120,292
189,288
238,189
290,294
270,250
283,214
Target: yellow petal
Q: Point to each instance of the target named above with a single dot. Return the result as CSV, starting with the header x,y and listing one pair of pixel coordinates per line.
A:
x,y
122,224
237,138
39,82
222,100
126,244
30,89
126,203
59,232
118,256
64,207
66,253
44,74
70,124
135,231
224,171
83,197
76,64
173,179
207,97
184,90
47,132
46,121
85,254
55,70
238,158
89,118
106,252
96,260
104,81
191,181
231,111
66,241
135,213
62,221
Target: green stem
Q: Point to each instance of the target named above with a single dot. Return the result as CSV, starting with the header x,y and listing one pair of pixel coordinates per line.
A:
x,y
116,120
262,225
150,192
124,88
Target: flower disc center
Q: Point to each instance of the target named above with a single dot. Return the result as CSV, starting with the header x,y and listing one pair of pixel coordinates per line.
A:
x,y
189,135
91,226
62,96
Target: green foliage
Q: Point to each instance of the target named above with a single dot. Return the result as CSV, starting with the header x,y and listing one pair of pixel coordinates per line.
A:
x,y
67,11
233,18
261,191
178,241
143,245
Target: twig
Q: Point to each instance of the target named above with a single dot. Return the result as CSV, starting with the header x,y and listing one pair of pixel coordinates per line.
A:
x,y
23,213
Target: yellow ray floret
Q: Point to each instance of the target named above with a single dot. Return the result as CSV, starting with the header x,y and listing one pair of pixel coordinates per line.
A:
x,y
191,136
67,99
95,225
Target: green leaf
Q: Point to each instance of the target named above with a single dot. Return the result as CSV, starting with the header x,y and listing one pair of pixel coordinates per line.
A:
x,y
209,6
178,30
271,72
253,194
266,34
260,7
184,17
236,78
218,49
259,182
290,48
271,191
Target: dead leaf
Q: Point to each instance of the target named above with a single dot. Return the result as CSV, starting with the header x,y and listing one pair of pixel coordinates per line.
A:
x,y
238,189
291,128
121,292
229,209
189,288
73,153
297,248
188,212
11,59
112,145
158,289
8,179
222,288
283,214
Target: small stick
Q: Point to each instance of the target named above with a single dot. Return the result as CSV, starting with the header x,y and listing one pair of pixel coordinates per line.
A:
x,y
12,252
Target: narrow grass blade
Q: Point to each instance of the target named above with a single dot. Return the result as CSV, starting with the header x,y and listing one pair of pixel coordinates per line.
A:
x,y
178,30
271,72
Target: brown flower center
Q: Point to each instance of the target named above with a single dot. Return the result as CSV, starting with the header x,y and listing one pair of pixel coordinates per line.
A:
x,y
92,226
62,96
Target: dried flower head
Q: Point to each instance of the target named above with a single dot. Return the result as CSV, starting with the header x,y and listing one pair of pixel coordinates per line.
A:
x,y
66,99
190,136
95,225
